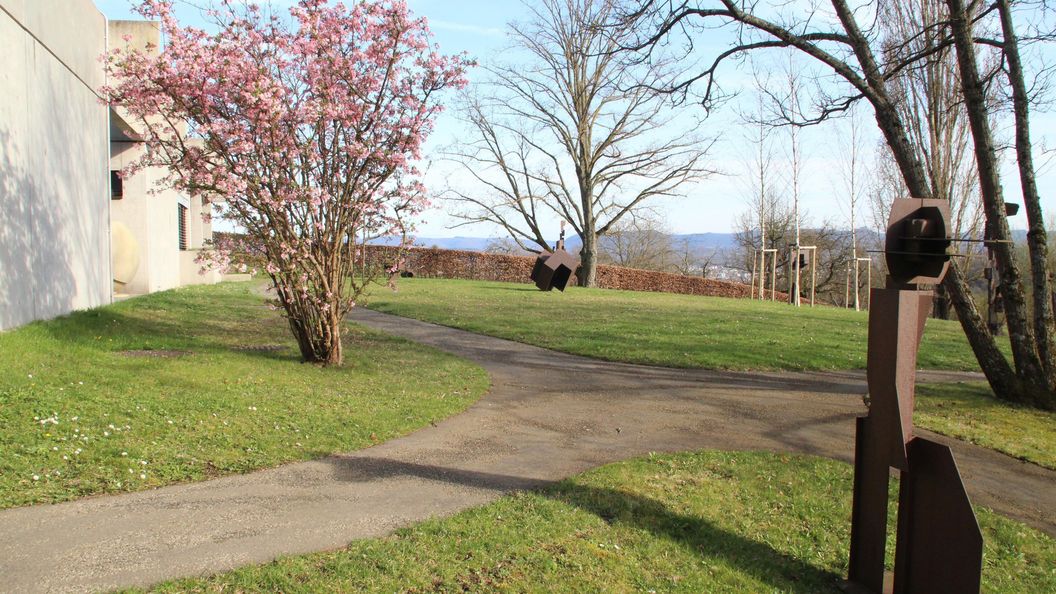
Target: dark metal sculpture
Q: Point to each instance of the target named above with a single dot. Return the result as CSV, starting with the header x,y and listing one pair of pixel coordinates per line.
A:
x,y
553,270
939,547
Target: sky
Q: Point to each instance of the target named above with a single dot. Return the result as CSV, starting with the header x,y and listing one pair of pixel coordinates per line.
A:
x,y
478,28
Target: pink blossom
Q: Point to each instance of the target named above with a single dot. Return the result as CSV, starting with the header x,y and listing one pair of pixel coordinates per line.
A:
x,y
301,131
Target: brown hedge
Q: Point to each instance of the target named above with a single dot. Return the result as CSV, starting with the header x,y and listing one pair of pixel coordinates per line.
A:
x,y
438,263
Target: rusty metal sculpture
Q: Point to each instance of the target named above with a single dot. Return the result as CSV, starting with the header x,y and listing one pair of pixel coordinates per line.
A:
x,y
553,270
939,547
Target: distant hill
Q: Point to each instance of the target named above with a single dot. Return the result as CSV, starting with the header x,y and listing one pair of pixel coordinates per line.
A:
x,y
697,241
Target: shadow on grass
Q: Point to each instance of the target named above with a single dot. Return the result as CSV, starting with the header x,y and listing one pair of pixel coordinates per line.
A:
x,y
616,507
137,328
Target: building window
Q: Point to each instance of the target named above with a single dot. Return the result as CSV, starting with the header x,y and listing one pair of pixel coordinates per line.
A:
x,y
117,190
181,221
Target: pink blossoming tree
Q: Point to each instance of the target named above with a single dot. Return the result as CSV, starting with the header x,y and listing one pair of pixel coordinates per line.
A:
x,y
301,129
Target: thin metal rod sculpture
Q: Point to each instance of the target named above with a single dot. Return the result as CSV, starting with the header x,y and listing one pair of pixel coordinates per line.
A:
x,y
939,547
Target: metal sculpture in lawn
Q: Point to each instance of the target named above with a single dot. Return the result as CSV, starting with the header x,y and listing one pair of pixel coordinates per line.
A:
x,y
939,547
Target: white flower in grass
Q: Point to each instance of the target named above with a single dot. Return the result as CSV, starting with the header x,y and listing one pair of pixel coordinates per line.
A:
x,y
106,434
36,477
143,476
124,454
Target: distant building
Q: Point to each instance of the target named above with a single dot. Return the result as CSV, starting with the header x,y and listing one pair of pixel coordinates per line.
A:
x,y
166,227
59,144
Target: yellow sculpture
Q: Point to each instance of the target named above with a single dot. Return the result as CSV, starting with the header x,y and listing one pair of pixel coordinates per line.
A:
x,y
124,251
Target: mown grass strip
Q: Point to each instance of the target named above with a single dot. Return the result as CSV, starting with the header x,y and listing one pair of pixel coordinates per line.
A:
x,y
663,329
969,411
196,383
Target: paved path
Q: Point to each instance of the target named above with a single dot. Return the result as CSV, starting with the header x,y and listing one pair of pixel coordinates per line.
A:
x,y
548,415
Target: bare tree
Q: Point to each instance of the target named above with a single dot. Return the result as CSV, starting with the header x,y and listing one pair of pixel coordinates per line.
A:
x,y
786,102
766,214
830,243
837,40
504,245
702,261
510,190
576,131
928,96
853,185
639,240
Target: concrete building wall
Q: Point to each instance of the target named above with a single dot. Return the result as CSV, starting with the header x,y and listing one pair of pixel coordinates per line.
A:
x,y
54,161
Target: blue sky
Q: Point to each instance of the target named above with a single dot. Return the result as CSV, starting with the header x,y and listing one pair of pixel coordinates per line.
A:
x,y
477,27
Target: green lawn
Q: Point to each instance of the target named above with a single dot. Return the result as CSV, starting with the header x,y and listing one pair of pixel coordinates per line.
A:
x,y
196,383
662,329
972,413
703,522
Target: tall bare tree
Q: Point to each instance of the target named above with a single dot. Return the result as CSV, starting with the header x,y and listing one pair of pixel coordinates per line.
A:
x,y
853,54
766,215
576,131
852,187
928,95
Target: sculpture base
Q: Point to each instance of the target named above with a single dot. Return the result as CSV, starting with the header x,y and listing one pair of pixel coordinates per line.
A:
x,y
853,588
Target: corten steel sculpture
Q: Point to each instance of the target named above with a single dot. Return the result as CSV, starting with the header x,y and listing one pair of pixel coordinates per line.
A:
x,y
553,270
939,547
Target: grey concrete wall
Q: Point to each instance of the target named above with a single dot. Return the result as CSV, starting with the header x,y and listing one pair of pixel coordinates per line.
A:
x,y
54,160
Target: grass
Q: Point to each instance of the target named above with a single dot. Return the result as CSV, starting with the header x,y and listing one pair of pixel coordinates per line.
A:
x,y
191,384
702,522
663,329
969,411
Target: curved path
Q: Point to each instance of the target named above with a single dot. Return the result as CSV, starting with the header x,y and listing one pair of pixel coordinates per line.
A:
x,y
548,415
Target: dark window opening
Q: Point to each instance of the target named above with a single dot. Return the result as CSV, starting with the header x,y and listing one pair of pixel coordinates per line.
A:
x,y
117,190
181,221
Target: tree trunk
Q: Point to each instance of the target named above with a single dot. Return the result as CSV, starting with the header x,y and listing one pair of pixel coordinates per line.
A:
x,y
992,361
1034,384
1020,331
1005,383
319,343
588,260
1037,236
318,332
